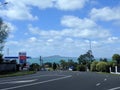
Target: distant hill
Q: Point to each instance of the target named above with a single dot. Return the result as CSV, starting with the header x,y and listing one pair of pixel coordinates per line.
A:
x,y
57,58
54,56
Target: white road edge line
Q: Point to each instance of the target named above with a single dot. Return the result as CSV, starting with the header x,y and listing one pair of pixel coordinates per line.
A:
x,y
37,83
114,88
98,84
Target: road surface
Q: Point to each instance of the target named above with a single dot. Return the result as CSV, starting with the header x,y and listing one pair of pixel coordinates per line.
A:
x,y
61,80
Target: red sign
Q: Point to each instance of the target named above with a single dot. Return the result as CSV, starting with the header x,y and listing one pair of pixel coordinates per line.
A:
x,y
22,57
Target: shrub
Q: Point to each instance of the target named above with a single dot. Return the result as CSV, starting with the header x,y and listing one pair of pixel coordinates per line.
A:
x,y
102,67
93,66
34,67
81,68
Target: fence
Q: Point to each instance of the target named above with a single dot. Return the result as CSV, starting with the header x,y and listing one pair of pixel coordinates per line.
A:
x,y
7,67
115,70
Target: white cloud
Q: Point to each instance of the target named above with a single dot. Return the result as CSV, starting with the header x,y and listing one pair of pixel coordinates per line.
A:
x,y
12,43
17,11
106,13
50,40
32,39
76,22
12,27
21,10
41,4
112,39
83,28
70,4
76,27
69,40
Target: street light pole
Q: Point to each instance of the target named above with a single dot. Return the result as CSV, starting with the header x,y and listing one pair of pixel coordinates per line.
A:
x,y
90,44
40,61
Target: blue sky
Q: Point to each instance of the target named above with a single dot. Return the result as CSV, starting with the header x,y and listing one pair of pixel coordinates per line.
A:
x,y
62,27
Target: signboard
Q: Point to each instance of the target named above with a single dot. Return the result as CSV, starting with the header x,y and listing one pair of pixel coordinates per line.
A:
x,y
22,57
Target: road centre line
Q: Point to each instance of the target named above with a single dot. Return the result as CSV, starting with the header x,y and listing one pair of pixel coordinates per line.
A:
x,y
3,81
38,83
116,88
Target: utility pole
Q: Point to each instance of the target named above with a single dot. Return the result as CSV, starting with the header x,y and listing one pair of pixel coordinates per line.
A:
x,y
90,45
40,61
7,51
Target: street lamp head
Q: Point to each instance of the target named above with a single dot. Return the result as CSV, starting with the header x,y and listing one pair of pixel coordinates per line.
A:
x,y
1,4
5,2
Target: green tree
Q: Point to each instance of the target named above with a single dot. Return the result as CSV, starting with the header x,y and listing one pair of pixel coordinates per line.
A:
x,y
4,30
112,63
34,67
86,59
116,57
93,66
104,59
70,63
81,67
102,66
63,64
48,64
54,66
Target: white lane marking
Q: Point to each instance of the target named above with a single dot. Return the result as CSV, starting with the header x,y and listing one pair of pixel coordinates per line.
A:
x,y
105,79
37,83
116,88
98,84
15,82
32,77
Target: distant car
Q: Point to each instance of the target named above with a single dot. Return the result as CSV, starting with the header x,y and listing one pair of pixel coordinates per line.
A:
x,y
43,69
70,69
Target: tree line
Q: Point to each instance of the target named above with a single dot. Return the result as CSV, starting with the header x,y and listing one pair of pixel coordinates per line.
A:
x,y
86,62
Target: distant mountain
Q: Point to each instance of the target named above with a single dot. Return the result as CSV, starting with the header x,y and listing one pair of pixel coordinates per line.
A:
x,y
54,56
57,58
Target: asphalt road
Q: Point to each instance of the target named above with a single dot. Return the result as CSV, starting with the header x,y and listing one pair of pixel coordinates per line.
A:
x,y
61,80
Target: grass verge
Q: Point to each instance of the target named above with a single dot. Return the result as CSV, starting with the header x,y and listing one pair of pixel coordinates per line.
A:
x,y
20,73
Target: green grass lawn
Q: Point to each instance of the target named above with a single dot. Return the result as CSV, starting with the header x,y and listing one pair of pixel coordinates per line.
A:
x,y
20,73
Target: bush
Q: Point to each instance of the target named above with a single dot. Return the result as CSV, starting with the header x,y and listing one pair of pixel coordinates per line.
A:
x,y
93,66
102,67
34,67
81,68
